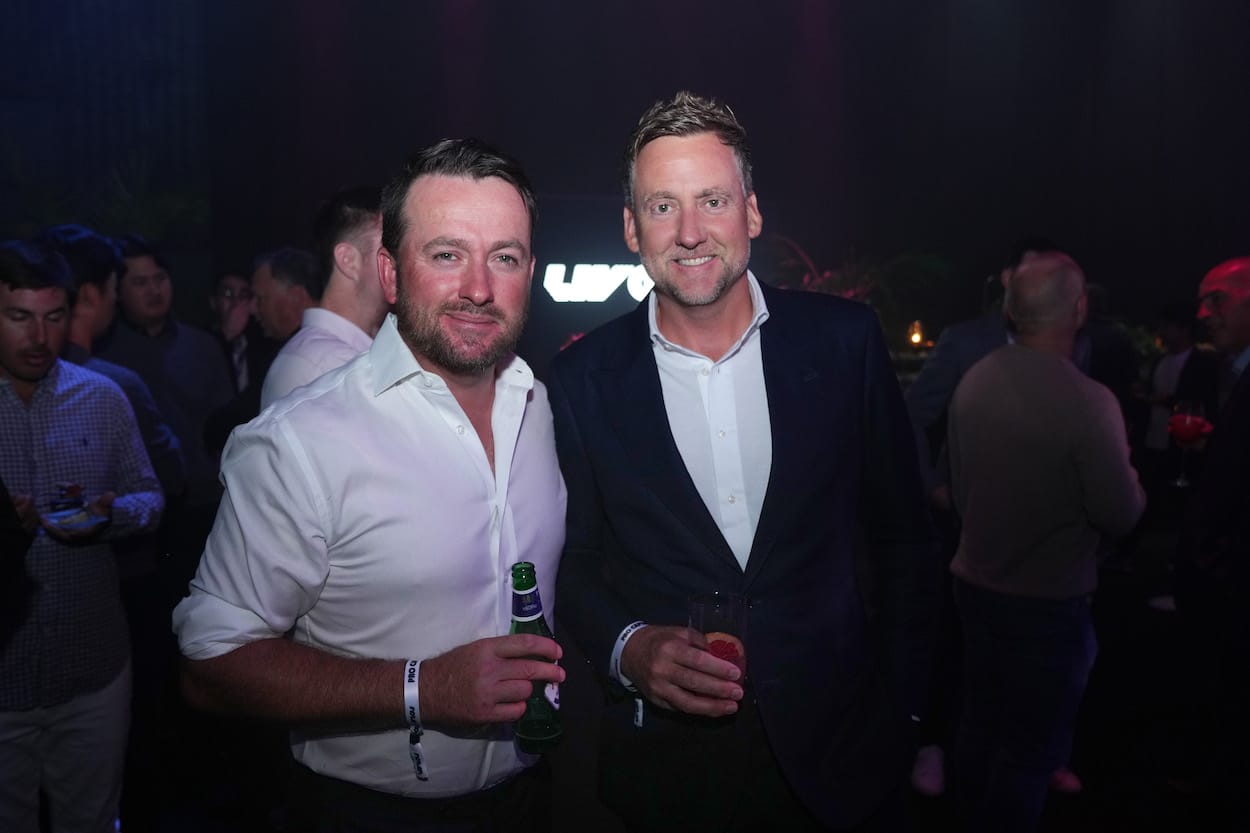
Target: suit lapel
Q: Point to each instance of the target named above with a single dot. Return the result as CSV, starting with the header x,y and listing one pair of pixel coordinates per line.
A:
x,y
634,406
788,375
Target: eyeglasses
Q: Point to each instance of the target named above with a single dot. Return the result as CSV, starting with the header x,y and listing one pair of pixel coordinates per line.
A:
x,y
242,294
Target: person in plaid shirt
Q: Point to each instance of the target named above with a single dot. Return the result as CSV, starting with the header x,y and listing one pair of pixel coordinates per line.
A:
x,y
68,442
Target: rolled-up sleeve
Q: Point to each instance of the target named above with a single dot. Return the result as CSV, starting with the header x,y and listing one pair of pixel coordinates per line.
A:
x,y
266,559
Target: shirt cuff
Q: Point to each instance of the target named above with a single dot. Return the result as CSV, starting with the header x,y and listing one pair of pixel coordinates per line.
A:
x,y
614,666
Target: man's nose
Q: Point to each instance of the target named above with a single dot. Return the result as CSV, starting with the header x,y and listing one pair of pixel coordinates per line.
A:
x,y
690,231
477,284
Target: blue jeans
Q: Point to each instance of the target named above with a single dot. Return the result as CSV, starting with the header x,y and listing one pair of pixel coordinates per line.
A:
x,y
1026,663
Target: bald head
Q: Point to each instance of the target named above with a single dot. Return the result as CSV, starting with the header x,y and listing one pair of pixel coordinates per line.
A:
x,y
1224,304
1047,293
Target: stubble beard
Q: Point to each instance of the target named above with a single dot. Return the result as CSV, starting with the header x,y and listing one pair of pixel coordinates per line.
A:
x,y
685,296
422,329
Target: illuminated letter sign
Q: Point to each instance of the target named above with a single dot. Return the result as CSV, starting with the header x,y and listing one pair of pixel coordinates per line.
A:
x,y
594,283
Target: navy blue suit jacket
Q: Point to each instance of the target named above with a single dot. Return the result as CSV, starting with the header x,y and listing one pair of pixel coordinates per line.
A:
x,y
842,573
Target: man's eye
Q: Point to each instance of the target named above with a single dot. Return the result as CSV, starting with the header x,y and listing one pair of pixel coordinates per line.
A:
x,y
509,259
445,256
662,208
714,202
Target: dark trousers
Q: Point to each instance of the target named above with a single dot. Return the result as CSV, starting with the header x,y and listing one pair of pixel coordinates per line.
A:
x,y
1215,616
328,805
720,776
1026,664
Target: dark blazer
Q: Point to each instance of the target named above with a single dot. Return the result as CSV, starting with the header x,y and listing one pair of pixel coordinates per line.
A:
x,y
958,348
836,644
1216,538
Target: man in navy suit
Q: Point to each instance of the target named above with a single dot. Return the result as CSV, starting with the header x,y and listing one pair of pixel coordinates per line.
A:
x,y
1213,566
726,436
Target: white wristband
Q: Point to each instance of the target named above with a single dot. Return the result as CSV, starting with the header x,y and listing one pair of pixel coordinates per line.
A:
x,y
614,665
412,714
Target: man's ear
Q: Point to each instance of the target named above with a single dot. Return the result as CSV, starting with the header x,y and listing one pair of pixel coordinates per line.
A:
x,y
347,259
631,230
88,295
387,274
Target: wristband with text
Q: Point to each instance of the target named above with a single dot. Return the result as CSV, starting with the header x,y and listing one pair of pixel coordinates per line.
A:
x,y
412,714
614,665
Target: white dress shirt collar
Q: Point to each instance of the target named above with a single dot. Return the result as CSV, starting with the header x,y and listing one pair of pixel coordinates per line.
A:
x,y
760,316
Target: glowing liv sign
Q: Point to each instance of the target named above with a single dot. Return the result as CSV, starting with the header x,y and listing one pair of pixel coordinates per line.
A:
x,y
594,283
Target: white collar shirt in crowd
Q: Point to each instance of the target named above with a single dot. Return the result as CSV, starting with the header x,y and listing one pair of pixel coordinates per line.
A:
x,y
362,515
718,413
325,340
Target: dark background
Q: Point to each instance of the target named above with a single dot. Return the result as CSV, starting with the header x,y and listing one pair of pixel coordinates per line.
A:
x,y
881,128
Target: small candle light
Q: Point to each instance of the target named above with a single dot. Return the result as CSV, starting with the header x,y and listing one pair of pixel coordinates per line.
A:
x,y
915,334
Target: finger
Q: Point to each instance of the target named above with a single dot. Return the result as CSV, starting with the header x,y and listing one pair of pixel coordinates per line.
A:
x,y
527,645
533,670
688,703
706,663
702,684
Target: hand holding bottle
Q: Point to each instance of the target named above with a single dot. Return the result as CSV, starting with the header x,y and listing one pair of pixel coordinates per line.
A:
x,y
487,681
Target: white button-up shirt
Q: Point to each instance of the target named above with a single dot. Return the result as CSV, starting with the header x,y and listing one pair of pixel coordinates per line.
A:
x,y
325,340
362,513
718,413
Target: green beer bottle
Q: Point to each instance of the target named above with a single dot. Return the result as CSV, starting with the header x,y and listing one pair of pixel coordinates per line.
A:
x,y
538,730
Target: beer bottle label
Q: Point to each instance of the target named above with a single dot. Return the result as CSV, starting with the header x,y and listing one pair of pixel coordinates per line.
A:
x,y
552,693
526,606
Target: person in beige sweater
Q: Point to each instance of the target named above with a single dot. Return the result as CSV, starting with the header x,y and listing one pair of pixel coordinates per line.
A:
x,y
1040,472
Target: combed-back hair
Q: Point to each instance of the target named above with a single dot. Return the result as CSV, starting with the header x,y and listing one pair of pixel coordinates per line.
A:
x,y
471,158
687,115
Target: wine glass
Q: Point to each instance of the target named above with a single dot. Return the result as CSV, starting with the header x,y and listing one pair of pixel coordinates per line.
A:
x,y
1186,425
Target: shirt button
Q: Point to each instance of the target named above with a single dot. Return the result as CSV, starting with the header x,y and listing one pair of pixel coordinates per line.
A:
x,y
429,383
733,499
705,372
720,433
460,429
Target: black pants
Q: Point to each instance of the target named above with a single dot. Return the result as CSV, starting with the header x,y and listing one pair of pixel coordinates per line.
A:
x,y
722,779
328,805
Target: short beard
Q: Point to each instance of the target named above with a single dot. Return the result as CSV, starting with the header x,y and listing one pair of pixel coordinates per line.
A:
x,y
730,276
421,330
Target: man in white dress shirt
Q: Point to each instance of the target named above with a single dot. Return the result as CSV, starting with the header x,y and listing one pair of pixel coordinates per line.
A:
x,y
356,583
348,232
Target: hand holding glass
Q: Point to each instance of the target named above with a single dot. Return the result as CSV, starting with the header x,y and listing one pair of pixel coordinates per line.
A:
x,y
1187,426
720,620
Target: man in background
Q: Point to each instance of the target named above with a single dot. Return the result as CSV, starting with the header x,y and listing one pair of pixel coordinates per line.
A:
x,y
285,282
248,351
94,262
348,234
189,378
67,438
1213,558
1040,472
